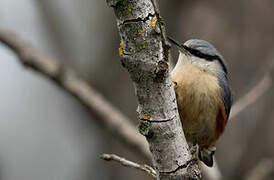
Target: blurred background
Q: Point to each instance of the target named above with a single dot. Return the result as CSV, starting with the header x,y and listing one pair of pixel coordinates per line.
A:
x,y
45,134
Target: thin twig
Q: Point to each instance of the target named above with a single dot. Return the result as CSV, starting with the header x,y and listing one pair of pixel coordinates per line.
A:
x,y
143,167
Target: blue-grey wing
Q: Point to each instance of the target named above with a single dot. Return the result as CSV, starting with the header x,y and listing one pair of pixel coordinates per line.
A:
x,y
226,91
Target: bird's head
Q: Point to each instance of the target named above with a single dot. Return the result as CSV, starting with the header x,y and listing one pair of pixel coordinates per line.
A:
x,y
201,53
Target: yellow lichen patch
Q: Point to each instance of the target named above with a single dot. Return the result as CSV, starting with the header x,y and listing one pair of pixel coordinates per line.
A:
x,y
120,50
129,10
145,116
154,21
140,31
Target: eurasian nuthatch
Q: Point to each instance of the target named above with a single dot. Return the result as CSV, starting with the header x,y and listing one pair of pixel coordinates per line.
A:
x,y
203,95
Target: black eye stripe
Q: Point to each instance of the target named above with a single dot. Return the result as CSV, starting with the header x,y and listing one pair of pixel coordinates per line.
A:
x,y
199,54
205,56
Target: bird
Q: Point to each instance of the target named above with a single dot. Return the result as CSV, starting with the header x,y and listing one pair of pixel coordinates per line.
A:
x,y
203,94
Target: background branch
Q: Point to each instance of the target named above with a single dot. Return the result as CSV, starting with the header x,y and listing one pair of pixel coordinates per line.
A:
x,y
252,96
108,116
112,157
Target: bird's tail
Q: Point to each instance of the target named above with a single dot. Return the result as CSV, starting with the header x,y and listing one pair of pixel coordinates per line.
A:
x,y
206,155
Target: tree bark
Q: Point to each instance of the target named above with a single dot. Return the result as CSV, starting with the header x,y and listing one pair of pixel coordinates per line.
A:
x,y
145,54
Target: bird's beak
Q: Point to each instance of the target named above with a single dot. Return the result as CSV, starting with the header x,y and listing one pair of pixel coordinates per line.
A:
x,y
180,46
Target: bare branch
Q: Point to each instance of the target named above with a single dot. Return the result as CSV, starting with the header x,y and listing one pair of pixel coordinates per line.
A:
x,y
146,168
261,171
108,116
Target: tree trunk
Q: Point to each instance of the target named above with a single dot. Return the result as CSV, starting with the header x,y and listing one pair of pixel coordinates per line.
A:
x,y
145,54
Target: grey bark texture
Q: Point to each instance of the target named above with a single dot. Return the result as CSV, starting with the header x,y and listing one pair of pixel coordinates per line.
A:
x,y
145,54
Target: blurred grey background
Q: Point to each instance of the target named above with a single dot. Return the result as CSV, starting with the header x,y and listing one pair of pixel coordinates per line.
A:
x,y
45,134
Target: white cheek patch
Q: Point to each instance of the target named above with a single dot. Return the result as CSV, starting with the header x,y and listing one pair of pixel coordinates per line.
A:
x,y
209,66
183,57
205,65
199,61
